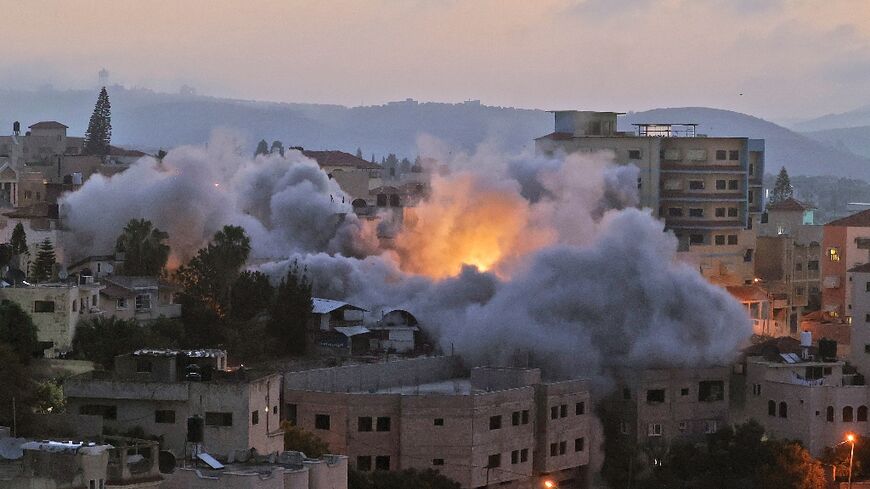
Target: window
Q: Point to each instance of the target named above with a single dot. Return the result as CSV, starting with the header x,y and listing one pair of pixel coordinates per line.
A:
x,y
696,185
732,212
847,414
867,318
43,306
74,304
255,417
721,184
751,195
734,155
756,390
634,154
580,408
143,365
382,462
364,463
623,428
639,182
684,391
579,444
720,212
494,460
515,418
495,422
515,457
696,212
143,302
867,287
771,408
94,300
732,239
524,455
525,416
321,421
655,396
721,154
383,423
218,419
554,412
364,423
554,449
563,447
710,426
164,416
437,461
121,303
834,254
799,267
862,414
829,414
783,410
563,411
683,426
719,239
711,390
654,429
275,409
381,200
438,422
107,412
675,211
813,265
696,239
291,413
733,185
626,394
27,194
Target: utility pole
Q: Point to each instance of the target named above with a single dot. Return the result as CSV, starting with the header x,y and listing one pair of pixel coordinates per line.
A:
x,y
14,420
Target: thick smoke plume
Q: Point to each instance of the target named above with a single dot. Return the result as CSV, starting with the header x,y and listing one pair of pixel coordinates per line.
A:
x,y
510,257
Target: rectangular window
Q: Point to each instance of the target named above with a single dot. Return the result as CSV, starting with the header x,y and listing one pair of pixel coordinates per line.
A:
x,y
866,348
756,390
696,239
164,416
684,391
721,154
799,267
721,184
143,302
121,303
364,423
675,211
554,449
554,412
438,422
733,185
437,461
719,239
867,318
683,426
255,417
696,185
626,394
732,212
734,155
634,154
291,413
107,412
654,429
732,239
524,455
382,462
580,408
563,411
495,422
515,418
143,366
720,212
218,419
563,447
321,421
711,390
494,461
525,416
383,423
94,300
654,396
696,212
710,427
515,457
579,444
43,306
813,265
364,463
751,196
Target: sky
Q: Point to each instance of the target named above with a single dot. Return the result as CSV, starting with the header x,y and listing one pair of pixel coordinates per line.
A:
x,y
784,60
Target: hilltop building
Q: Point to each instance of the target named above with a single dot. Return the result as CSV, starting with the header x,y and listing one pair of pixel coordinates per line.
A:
x,y
706,189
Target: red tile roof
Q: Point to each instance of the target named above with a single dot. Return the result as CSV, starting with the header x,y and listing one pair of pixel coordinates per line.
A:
x,y
340,158
49,125
857,220
789,204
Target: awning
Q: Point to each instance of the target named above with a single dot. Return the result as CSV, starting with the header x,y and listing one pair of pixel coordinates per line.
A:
x,y
352,330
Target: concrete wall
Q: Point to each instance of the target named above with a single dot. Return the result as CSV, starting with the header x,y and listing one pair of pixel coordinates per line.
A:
x,y
374,376
860,334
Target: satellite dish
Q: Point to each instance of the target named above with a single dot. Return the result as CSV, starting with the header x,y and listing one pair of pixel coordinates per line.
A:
x,y
166,462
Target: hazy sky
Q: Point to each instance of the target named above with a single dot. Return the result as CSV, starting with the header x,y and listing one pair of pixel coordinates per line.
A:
x,y
789,59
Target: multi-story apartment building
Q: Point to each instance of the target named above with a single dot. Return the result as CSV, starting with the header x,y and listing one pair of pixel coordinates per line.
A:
x,y
497,427
706,189
158,390
788,257
859,339
845,244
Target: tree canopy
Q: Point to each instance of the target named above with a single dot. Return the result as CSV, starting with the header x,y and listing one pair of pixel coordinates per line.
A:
x,y
782,189
299,440
19,240
400,479
290,311
43,267
98,137
17,330
209,276
145,253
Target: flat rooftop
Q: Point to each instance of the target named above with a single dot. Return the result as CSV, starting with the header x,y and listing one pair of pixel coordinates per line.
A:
x,y
450,386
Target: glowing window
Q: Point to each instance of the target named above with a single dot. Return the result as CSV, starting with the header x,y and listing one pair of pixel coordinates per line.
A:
x,y
834,254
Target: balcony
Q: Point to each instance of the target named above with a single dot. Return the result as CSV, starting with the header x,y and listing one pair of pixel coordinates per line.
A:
x,y
702,224
700,168
702,196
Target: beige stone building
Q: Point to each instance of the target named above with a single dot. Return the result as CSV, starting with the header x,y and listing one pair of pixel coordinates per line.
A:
x,y
859,352
56,310
141,299
706,189
494,427
158,390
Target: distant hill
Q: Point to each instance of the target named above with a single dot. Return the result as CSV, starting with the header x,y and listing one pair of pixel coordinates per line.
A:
x,y
151,120
800,154
853,139
853,118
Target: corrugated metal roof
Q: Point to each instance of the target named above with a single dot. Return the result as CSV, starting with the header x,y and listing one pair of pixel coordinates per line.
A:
x,y
352,330
325,306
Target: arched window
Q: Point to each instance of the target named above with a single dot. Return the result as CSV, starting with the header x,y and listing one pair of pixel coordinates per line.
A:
x,y
771,408
830,414
394,200
382,200
358,203
847,414
862,413
783,410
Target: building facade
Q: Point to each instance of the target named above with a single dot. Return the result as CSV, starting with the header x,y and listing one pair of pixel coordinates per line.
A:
x,y
845,244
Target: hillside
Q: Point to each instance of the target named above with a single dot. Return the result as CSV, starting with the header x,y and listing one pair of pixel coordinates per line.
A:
x,y
853,118
853,139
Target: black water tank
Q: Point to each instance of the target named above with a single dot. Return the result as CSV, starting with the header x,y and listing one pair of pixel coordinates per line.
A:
x,y
194,429
16,127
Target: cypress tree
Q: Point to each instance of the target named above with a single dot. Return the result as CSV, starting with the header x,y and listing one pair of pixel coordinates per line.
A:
x,y
99,133
262,148
43,266
19,240
782,189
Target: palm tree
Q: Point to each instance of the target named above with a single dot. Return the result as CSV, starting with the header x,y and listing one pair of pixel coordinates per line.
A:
x,y
145,253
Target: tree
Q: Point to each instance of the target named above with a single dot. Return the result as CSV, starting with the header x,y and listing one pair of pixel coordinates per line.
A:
x,y
145,253
99,133
290,311
262,148
18,385
102,338
400,479
782,189
17,331
792,468
359,153
251,294
209,276
19,240
299,440
277,147
43,267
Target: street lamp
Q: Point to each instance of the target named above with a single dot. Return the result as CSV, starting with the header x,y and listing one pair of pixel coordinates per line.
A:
x,y
851,439
549,484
